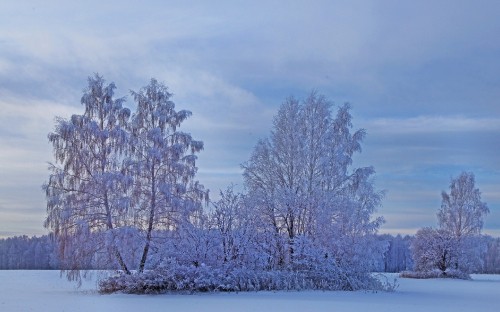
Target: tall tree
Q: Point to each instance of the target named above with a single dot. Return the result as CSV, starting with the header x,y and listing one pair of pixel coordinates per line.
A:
x,y
302,183
87,190
163,164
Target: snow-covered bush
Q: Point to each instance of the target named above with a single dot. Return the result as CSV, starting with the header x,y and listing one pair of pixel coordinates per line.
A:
x,y
435,273
173,276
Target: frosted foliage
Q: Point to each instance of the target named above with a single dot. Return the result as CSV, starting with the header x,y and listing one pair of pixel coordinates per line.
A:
x,y
122,194
87,190
301,184
117,179
462,210
162,161
434,250
456,248
233,225
22,252
397,257
437,249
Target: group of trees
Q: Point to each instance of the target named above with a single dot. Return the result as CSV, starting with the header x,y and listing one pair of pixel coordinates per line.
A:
x,y
120,176
397,256
28,253
303,189
122,193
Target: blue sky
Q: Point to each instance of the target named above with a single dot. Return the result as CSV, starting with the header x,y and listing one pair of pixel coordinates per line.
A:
x,y
422,77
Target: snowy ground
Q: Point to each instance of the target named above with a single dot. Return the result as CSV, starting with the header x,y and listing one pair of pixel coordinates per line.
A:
x,y
45,291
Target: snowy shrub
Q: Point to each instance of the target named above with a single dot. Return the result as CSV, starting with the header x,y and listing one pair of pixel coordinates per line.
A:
x,y
450,273
173,277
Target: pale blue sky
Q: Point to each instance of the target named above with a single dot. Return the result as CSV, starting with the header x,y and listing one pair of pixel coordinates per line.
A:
x,y
422,77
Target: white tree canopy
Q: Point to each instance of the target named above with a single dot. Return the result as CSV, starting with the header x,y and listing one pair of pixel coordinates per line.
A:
x,y
116,181
462,210
163,164
455,248
302,184
87,191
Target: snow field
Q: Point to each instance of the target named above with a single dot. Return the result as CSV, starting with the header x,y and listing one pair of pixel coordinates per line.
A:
x,y
46,291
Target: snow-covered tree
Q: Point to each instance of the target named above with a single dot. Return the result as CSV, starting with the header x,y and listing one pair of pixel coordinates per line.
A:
x,y
438,252
87,189
162,162
301,184
434,249
116,181
492,256
462,211
456,248
234,227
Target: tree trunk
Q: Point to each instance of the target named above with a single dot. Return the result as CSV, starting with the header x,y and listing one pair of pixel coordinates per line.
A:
x,y
150,222
109,224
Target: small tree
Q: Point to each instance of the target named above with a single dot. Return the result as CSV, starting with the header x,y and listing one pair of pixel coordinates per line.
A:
x,y
434,250
235,228
455,248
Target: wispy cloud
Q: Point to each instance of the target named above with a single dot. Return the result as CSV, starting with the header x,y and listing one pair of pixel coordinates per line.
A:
x,y
433,124
422,78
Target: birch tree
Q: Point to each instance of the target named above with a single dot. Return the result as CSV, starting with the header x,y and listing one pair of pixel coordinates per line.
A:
x,y
87,191
462,210
302,183
163,164
116,180
456,248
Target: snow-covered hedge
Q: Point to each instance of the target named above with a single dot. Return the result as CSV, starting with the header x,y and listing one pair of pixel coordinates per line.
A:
x,y
450,273
173,276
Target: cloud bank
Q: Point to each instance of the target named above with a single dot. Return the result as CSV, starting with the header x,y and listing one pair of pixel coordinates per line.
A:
x,y
422,78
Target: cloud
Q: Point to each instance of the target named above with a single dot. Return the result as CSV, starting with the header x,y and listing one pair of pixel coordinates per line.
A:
x,y
422,78
432,124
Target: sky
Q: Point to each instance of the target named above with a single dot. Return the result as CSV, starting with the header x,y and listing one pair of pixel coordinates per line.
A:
x,y
422,78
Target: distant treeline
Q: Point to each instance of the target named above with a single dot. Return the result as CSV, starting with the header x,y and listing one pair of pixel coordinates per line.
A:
x,y
398,255
28,253
41,253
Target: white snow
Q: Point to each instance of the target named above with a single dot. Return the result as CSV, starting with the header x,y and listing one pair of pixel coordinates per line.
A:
x,y
46,291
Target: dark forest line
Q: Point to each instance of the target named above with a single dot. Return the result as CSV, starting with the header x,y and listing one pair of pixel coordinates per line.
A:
x,y
41,253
